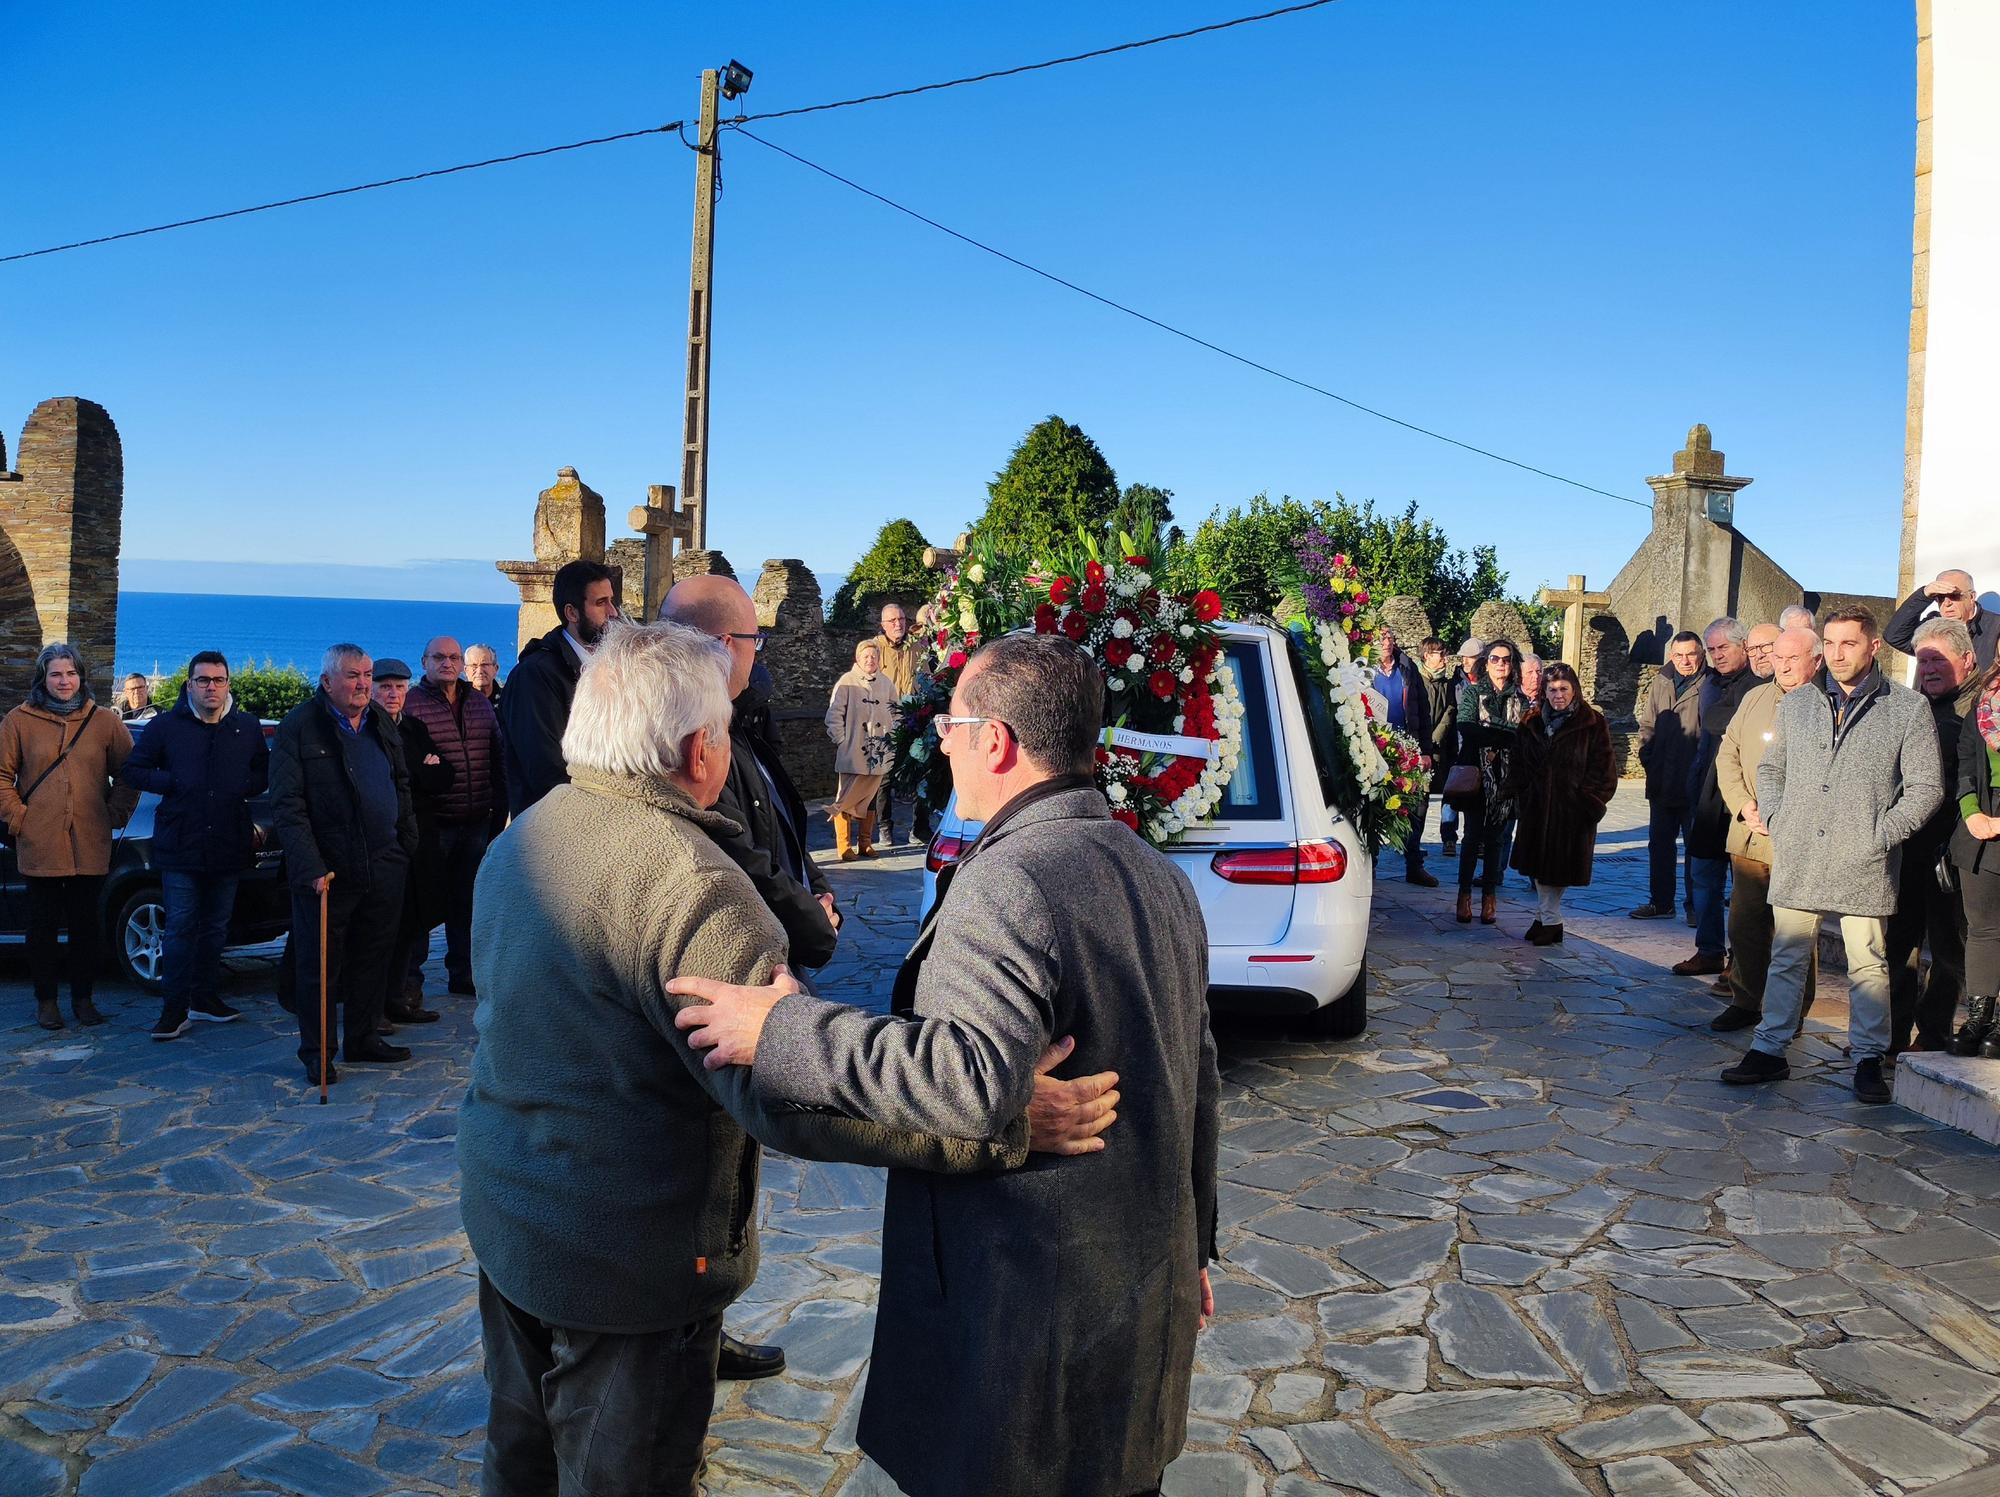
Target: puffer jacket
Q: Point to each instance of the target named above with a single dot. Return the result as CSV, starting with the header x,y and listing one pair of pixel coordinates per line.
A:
x,y
467,734
205,774
1842,800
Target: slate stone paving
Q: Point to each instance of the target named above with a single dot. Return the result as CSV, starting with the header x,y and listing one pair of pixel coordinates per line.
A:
x,y
1516,1242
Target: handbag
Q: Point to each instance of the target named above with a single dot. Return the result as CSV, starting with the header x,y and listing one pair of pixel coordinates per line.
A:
x,y
1463,789
7,837
1947,872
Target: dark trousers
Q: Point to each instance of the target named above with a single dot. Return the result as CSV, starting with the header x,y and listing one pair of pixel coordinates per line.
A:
x,y
1750,933
1979,893
592,1413
1924,1006
1480,835
1413,850
885,819
361,924
56,904
1664,828
459,851
198,910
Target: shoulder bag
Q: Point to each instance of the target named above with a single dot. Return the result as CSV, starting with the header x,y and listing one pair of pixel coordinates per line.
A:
x,y
7,837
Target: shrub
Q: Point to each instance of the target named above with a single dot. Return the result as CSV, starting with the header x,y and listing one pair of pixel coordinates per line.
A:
x,y
269,691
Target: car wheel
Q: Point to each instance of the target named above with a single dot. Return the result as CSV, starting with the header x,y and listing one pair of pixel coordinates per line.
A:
x,y
139,937
1347,1015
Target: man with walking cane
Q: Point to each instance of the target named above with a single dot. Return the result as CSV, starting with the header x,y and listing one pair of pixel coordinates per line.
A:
x,y
340,803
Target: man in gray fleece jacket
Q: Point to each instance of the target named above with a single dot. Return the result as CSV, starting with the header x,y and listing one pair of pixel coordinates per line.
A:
x,y
1851,773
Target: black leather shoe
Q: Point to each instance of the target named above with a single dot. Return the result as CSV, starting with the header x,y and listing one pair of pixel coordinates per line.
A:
x,y
1756,1066
740,1361
1733,1018
1868,1083
375,1050
463,986
312,1073
414,1013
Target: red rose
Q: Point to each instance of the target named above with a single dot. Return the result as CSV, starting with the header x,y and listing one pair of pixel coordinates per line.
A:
x,y
957,661
1117,652
1208,605
1045,619
1361,597
1094,600
1093,572
1163,683
1060,589
1138,561
1075,625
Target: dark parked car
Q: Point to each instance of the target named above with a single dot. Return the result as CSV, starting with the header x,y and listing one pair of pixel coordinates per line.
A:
x,y
134,913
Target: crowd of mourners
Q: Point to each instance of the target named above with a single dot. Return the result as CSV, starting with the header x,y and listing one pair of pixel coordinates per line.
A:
x,y
1788,782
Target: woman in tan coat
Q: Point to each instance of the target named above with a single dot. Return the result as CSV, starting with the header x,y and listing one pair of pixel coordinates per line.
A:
x,y
59,755
859,719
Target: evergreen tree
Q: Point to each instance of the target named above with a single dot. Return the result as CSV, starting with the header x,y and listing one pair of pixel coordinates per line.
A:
x,y
1055,482
893,567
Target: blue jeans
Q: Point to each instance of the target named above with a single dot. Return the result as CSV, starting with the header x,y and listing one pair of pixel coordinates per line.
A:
x,y
1709,878
198,910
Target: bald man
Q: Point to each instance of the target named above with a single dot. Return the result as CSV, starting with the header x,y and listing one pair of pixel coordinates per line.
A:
x,y
1951,596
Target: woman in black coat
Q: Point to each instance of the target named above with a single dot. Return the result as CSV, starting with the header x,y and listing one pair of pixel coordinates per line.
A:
x,y
1489,716
1975,853
1563,778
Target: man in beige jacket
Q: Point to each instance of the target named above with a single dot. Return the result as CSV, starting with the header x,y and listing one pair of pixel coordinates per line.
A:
x,y
1795,660
901,649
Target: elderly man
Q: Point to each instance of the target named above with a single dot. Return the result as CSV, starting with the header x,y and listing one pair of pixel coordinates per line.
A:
x,y
1796,616
1952,596
536,706
608,1178
430,777
135,700
1727,681
1468,670
1794,663
482,670
1763,640
205,759
1922,1008
1852,773
900,652
1041,927
1402,686
1669,732
767,815
468,814
340,802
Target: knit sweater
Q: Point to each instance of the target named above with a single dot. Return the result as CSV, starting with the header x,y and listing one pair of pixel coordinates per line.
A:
x,y
607,1182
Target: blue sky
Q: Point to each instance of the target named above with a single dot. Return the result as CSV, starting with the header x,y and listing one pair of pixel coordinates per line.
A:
x,y
1560,229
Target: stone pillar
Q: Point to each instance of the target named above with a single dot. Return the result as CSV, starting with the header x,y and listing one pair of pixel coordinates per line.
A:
x,y
1696,506
569,526
1408,621
804,661
62,516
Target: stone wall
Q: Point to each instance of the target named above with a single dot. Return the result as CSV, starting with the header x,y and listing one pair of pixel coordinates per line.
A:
x,y
1407,620
805,658
62,519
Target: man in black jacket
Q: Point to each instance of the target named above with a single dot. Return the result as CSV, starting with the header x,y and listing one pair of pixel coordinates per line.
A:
x,y
1952,596
206,759
340,801
431,775
534,710
759,795
1722,688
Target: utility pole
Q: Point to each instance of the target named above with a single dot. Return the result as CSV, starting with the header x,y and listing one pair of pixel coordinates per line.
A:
x,y
701,313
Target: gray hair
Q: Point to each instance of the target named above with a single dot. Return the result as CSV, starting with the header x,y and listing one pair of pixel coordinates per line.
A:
x,y
1531,659
38,693
646,689
487,648
338,655
1730,629
1955,637
1796,616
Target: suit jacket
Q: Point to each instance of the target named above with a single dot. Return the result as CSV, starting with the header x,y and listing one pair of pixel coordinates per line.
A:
x,y
766,819
1035,1331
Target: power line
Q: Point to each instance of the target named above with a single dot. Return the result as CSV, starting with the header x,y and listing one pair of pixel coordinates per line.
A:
x,y
316,197
1031,67
1167,327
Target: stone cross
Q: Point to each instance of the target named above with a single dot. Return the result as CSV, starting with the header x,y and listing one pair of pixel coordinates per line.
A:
x,y
662,523
1573,600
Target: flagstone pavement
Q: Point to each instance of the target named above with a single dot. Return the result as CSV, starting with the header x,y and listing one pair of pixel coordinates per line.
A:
x,y
1514,1242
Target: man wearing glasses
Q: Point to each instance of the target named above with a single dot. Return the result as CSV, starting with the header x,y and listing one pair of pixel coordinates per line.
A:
x,y
1952,596
205,759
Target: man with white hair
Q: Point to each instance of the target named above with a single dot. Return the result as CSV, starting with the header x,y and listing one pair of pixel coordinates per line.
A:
x,y
1797,616
1951,596
340,804
608,1179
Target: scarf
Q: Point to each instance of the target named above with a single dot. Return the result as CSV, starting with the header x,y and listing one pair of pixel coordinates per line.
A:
x,y
1553,722
1989,718
41,698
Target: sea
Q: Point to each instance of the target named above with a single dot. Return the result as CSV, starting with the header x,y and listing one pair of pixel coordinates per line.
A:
x,y
157,632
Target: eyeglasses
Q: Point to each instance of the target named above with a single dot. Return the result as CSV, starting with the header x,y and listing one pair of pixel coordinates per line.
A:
x,y
946,722
1500,659
756,640
209,680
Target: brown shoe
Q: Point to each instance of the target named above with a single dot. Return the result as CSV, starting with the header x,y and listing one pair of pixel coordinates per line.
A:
x,y
1465,907
1489,909
1698,966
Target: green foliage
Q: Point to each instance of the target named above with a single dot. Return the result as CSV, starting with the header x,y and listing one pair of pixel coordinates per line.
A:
x,y
1545,624
1145,509
1055,484
269,691
894,565
1246,554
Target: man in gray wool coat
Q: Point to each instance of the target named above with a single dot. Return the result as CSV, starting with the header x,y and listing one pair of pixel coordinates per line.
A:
x,y
1851,773
1035,1333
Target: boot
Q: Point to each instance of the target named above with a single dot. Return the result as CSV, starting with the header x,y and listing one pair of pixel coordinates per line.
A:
x,y
843,836
85,1010
1978,1029
48,1013
867,836
1489,908
1465,907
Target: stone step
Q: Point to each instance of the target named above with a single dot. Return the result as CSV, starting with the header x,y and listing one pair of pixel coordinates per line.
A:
x,y
1960,1093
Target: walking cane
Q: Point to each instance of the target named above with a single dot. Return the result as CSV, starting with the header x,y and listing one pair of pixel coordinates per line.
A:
x,y
325,888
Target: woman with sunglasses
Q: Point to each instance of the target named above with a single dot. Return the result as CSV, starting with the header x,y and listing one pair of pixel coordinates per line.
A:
x,y
1490,711
1563,779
